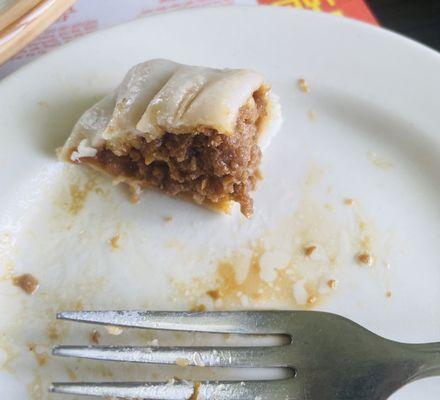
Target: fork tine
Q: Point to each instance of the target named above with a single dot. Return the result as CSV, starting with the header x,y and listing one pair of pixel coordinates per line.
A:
x,y
275,356
286,389
253,322
152,390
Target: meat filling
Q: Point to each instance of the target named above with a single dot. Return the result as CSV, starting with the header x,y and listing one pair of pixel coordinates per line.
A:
x,y
208,166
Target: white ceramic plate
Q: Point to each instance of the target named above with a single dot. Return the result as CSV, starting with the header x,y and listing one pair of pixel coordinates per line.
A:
x,y
367,130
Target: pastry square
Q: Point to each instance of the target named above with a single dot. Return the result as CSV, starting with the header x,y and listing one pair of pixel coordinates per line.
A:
x,y
188,131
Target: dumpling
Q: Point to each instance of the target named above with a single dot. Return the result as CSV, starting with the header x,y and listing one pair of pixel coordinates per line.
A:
x,y
190,131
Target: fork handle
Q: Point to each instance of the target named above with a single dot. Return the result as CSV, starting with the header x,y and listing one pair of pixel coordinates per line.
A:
x,y
428,356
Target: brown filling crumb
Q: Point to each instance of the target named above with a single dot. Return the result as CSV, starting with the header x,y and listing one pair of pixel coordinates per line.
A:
x,y
214,294
308,251
210,167
27,282
95,336
303,85
196,391
365,258
332,283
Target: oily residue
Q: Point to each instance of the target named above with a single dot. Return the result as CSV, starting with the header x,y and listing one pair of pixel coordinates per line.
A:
x,y
40,356
260,288
295,264
35,389
10,354
78,196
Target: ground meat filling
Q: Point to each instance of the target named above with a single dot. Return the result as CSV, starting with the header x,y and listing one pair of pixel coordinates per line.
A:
x,y
208,166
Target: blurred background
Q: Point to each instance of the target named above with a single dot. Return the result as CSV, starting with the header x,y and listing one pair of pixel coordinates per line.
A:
x,y
418,19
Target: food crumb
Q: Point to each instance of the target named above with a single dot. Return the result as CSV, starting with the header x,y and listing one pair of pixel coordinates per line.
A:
x,y
198,308
95,336
27,282
114,330
182,362
365,258
332,283
311,300
389,294
312,115
195,394
303,85
168,218
214,294
114,242
349,202
309,250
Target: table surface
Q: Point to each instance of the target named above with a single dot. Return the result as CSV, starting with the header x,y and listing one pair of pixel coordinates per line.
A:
x,y
418,19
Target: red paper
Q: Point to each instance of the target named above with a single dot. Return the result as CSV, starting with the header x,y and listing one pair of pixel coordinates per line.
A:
x,y
349,8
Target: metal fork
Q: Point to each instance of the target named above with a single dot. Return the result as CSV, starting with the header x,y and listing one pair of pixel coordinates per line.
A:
x,y
333,357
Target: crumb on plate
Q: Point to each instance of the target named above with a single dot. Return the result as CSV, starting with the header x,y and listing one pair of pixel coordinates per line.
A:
x,y
365,259
114,330
303,85
114,242
309,250
332,283
95,336
182,362
214,294
26,282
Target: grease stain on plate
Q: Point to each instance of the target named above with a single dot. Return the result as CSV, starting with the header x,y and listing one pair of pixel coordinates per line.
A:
x,y
295,264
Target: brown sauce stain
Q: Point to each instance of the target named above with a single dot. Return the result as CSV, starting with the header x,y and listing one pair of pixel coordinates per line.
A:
x,y
78,196
230,293
35,389
303,85
11,354
41,357
54,331
7,253
26,282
